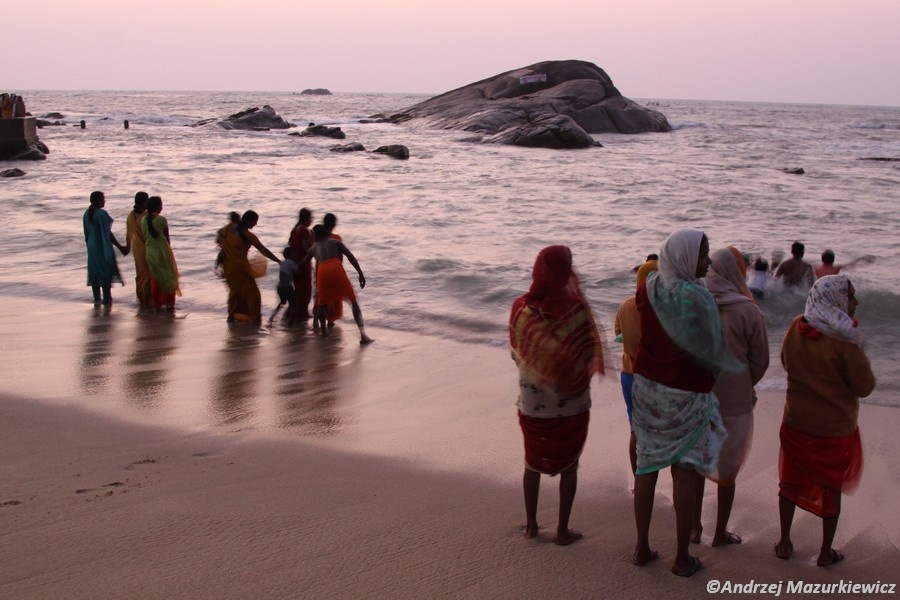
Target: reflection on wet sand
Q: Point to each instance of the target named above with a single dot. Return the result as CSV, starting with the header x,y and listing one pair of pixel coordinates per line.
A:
x,y
236,387
310,379
97,351
146,375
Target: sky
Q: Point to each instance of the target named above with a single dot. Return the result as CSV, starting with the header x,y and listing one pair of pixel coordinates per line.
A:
x,y
805,51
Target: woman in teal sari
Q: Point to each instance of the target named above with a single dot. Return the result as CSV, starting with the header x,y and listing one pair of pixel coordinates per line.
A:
x,y
102,269
160,259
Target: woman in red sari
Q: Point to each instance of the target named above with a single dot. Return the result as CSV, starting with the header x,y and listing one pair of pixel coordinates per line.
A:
x,y
556,346
828,371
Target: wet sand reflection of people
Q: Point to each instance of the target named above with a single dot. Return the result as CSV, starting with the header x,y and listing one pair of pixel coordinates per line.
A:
x,y
310,380
147,378
235,389
94,376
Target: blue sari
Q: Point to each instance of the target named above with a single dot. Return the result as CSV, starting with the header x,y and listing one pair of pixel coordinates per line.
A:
x,y
102,269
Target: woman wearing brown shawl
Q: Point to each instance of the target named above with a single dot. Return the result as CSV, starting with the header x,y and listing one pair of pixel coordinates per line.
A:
x,y
556,346
827,373
744,328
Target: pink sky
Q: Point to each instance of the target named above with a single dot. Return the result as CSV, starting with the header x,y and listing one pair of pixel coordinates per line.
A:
x,y
820,51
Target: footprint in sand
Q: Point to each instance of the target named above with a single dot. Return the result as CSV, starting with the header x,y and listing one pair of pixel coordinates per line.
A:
x,y
146,461
11,503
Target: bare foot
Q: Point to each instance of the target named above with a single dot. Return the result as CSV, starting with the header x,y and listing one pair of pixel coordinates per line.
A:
x,y
829,557
784,550
530,532
642,559
567,537
365,340
729,538
696,535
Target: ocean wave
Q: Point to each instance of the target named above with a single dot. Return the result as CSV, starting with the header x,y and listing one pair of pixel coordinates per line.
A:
x,y
676,125
877,124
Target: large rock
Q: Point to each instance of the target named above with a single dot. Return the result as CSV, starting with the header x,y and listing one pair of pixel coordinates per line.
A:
x,y
316,92
545,104
252,119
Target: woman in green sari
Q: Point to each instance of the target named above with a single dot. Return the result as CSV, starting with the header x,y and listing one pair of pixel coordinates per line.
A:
x,y
160,259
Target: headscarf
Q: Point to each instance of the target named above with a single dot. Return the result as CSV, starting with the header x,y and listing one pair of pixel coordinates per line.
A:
x,y
552,332
685,309
827,306
725,281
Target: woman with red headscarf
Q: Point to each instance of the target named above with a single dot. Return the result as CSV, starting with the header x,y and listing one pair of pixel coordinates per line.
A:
x,y
555,343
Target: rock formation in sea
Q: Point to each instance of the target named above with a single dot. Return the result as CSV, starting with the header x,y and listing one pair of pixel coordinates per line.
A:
x,y
252,119
395,150
551,104
323,131
316,92
19,140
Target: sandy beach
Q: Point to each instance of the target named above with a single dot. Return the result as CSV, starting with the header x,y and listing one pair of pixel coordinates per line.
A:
x,y
146,456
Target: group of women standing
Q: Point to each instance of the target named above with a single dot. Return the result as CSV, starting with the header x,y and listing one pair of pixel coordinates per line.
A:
x,y
694,350
146,238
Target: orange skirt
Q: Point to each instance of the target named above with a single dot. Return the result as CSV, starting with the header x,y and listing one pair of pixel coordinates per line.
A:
x,y
332,284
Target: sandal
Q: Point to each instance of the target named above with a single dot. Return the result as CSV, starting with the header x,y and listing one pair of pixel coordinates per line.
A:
x,y
836,557
696,565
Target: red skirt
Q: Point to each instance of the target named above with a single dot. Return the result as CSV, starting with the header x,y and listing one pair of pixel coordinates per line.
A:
x,y
812,468
553,445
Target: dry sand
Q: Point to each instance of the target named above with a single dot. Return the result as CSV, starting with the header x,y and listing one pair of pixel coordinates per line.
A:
x,y
150,457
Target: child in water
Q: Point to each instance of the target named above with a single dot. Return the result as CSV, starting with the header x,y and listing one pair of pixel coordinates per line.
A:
x,y
288,269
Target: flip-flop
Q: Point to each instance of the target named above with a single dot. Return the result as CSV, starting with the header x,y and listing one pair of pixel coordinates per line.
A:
x,y
643,563
696,565
730,538
836,557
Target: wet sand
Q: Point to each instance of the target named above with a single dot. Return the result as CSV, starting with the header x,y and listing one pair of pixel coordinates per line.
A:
x,y
151,457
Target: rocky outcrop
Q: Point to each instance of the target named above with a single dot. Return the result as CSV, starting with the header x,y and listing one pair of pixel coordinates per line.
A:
x,y
316,92
351,147
395,150
323,131
19,140
12,173
252,119
555,104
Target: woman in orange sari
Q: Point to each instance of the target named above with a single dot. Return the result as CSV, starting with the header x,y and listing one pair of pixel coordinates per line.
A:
x,y
555,343
236,239
134,241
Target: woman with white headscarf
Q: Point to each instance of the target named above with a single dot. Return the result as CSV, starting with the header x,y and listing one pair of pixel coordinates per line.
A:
x,y
744,328
828,372
676,416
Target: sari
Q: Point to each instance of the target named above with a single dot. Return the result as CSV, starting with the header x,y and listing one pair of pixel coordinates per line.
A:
x,y
135,238
555,342
102,269
244,300
161,263
676,416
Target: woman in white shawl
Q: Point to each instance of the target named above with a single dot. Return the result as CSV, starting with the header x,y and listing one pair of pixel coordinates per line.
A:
x,y
744,328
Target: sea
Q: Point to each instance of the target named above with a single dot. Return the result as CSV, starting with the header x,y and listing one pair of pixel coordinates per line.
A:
x,y
447,238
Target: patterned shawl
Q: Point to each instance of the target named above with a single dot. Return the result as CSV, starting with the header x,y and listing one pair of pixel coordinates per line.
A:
x,y
827,306
552,332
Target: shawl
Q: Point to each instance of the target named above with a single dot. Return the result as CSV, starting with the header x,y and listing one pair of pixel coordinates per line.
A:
x,y
552,332
827,306
725,281
685,309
